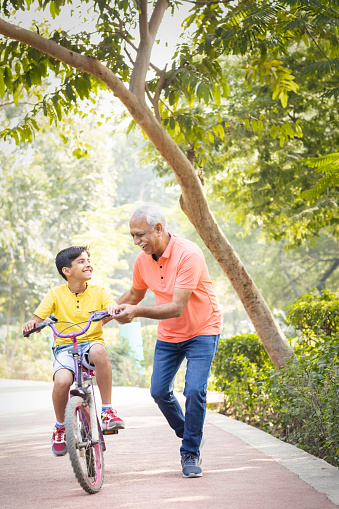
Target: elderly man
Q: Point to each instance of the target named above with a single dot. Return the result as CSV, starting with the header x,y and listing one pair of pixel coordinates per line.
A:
x,y
189,323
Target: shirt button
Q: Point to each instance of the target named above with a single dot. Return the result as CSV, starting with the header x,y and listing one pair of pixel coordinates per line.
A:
x,y
161,266
162,277
77,306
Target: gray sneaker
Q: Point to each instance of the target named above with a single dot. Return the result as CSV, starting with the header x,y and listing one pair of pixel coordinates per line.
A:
x,y
191,465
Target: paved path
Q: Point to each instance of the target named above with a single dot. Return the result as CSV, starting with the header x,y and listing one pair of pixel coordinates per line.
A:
x,y
243,468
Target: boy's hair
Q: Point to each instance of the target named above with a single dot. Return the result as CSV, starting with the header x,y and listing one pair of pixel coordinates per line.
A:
x,y
66,256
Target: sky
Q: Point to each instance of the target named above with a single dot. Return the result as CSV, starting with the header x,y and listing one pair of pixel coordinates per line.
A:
x,y
83,18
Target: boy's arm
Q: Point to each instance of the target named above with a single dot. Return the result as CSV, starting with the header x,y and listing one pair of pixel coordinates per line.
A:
x,y
33,322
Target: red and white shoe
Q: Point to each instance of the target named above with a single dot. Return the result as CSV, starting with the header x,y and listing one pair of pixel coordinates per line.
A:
x,y
110,420
59,447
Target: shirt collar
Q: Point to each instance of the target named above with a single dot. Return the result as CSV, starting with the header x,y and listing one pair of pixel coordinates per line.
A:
x,y
168,250
76,294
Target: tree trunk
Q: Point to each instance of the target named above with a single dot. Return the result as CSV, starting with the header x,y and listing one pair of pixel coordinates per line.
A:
x,y
193,200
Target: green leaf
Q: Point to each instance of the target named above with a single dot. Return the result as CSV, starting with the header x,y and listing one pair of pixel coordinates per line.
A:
x,y
52,9
260,129
254,125
28,79
217,95
172,123
69,92
131,126
2,85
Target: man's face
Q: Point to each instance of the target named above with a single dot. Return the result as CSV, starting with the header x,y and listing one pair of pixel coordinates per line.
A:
x,y
81,268
143,236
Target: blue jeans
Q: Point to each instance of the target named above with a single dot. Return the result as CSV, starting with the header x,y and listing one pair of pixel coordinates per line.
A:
x,y
199,352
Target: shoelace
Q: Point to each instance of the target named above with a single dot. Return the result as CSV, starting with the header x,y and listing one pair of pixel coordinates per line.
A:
x,y
189,459
109,413
58,434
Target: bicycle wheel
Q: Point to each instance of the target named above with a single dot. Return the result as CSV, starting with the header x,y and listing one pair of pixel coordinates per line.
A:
x,y
87,458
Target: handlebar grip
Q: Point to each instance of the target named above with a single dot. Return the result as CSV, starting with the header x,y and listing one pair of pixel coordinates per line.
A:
x,y
49,320
99,315
38,328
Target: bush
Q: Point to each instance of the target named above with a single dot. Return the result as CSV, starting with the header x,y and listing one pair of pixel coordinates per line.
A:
x,y
315,315
239,370
26,358
298,404
305,398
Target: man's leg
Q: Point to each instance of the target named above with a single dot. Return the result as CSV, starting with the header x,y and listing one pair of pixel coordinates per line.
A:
x,y
167,360
200,352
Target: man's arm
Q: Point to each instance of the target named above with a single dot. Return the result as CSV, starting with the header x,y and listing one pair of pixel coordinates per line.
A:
x,y
132,296
128,311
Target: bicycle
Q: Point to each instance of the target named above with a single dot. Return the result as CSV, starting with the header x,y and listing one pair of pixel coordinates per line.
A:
x,y
84,436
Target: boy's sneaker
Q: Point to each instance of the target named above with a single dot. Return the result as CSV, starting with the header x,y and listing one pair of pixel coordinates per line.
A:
x,y
110,420
191,465
59,447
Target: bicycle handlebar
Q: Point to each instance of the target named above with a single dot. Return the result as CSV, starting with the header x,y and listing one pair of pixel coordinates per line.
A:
x,y
51,320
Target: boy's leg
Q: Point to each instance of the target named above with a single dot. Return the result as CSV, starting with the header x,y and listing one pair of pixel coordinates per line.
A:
x,y
63,379
98,357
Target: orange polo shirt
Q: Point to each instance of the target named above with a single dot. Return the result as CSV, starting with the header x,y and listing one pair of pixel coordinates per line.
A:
x,y
182,265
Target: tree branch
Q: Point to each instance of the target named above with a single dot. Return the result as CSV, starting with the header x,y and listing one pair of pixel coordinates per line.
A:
x,y
157,94
85,63
321,285
315,42
142,62
143,22
156,18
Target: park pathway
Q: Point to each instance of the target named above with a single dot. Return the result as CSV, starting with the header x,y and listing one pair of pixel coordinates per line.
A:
x,y
243,468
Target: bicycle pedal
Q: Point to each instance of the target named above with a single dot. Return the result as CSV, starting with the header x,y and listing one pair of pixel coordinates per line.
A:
x,y
110,432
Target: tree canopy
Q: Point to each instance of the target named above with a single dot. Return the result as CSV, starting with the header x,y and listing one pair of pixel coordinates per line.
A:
x,y
166,103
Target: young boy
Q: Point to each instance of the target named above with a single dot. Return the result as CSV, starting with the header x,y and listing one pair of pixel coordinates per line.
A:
x,y
74,303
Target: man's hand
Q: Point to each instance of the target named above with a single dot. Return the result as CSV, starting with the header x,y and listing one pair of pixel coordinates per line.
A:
x,y
125,313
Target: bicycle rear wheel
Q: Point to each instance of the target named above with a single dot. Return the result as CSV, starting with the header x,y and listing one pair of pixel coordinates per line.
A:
x,y
86,457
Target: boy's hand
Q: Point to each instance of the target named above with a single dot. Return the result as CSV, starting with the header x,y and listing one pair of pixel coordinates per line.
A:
x,y
112,309
31,324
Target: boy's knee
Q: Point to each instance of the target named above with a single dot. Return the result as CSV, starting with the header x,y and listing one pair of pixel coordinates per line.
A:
x,y
98,354
63,379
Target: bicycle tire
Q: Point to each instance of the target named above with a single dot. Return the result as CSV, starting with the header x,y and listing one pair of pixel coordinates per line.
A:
x,y
87,459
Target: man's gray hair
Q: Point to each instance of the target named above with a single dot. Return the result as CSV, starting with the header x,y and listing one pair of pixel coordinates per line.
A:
x,y
152,213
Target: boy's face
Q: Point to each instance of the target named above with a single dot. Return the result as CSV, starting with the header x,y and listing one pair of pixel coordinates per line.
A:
x,y
81,269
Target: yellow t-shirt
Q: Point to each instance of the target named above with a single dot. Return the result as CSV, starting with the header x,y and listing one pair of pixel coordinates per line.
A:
x,y
75,308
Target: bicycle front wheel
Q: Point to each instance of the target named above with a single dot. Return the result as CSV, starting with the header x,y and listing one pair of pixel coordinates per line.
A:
x,y
86,457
